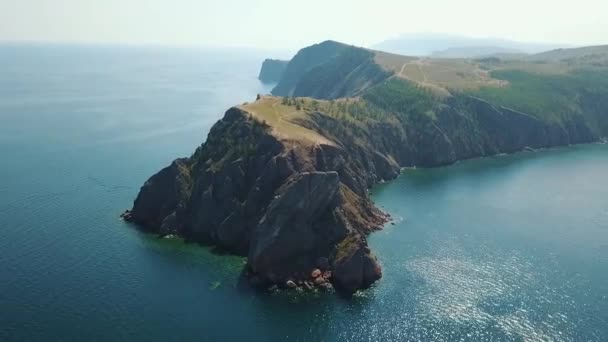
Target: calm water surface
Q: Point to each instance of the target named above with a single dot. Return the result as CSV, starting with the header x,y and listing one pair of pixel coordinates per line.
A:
x,y
511,248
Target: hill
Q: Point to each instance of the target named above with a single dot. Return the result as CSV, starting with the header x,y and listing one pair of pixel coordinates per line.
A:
x,y
284,180
474,52
330,70
527,83
580,57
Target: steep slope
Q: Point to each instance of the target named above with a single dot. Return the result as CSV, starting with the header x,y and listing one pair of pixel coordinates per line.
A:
x,y
305,60
272,70
330,70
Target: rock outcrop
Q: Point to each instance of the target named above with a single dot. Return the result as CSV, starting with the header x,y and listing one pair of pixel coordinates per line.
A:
x,y
286,233
284,204
272,70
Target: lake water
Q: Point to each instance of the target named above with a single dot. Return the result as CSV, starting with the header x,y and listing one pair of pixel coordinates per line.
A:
x,y
511,248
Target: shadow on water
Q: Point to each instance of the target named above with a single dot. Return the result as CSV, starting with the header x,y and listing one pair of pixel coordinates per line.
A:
x,y
215,260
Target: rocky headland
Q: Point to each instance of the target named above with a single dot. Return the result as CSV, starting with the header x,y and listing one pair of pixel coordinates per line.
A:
x,y
284,180
272,70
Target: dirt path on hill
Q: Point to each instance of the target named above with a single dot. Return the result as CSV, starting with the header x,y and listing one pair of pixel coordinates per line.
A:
x,y
418,64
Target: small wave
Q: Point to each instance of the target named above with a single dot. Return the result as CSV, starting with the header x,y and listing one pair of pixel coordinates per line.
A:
x,y
465,291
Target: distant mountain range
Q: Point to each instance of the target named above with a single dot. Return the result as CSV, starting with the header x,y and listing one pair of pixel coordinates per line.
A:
x,y
454,46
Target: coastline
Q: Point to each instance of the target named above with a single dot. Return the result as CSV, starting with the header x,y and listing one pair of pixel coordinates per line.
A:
x,y
285,180
303,278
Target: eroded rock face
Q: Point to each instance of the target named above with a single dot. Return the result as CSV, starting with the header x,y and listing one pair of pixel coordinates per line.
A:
x,y
286,234
284,206
161,197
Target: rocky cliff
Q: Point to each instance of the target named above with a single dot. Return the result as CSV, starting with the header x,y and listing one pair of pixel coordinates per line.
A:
x,y
272,70
281,202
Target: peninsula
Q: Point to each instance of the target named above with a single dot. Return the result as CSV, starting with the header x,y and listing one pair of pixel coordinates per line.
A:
x,y
284,180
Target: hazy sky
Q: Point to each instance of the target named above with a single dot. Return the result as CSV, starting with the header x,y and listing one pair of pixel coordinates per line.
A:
x,y
290,24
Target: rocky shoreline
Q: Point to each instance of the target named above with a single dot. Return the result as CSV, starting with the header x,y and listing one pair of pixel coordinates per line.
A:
x,y
286,203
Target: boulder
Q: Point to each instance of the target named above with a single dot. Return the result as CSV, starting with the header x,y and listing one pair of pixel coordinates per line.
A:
x,y
319,280
355,267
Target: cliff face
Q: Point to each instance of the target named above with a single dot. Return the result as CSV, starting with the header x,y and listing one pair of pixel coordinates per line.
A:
x,y
469,127
282,203
461,128
272,70
345,75
303,61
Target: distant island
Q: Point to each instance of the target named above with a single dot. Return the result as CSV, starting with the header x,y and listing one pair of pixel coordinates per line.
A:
x,y
284,180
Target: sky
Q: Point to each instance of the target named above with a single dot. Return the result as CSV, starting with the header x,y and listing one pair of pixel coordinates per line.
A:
x,y
284,24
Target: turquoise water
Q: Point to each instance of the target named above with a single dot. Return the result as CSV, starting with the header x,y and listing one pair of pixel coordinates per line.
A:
x,y
511,248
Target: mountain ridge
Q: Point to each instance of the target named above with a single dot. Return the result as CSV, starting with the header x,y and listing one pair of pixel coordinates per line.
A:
x,y
425,44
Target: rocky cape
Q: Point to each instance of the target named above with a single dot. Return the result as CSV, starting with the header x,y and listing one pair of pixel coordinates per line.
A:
x,y
284,181
290,206
272,70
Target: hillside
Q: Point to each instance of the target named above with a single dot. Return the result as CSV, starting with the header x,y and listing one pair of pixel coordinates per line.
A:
x,y
590,55
284,180
526,83
330,70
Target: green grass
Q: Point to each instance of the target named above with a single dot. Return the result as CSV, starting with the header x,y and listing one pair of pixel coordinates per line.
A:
x,y
440,75
403,98
549,97
281,118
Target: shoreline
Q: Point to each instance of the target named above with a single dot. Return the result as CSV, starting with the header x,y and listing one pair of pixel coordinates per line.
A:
x,y
309,285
